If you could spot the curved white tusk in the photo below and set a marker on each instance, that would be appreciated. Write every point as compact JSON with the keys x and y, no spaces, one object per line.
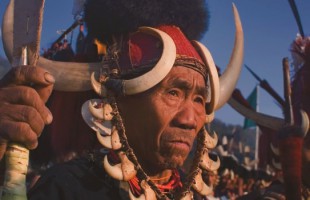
{"x":210,"y":142}
{"x":7,"y":31}
{"x":159,"y":71}
{"x":208,"y":164}
{"x":188,"y":196}
{"x":128,"y":168}
{"x":103,"y":127}
{"x":304,"y":123}
{"x":213,"y":76}
{"x":105,"y":141}
{"x":132,"y":197}
{"x":275,"y":150}
{"x":102,"y":113}
{"x":148,"y":192}
{"x":70,"y":76}
{"x":230,"y":76}
{"x":200,"y":186}
{"x":114,"y":171}
{"x":209,"y":118}
{"x":96,"y":112}
{"x":116,"y":143}
{"x":107,"y":112}
{"x":273,"y":123}
{"x":98,"y":87}
{"x":276,"y":165}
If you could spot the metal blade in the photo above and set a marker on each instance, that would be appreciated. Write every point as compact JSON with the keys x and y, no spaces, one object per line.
{"x":27,"y":26}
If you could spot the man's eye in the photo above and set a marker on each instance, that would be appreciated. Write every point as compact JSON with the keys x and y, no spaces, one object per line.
{"x":200,"y":100}
{"x":173,"y":92}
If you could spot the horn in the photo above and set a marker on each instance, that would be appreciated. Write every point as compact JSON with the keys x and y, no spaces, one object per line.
{"x":188,"y":196}
{"x":273,"y":123}
{"x":70,"y":76}
{"x":114,"y":171}
{"x":115,"y":141}
{"x":275,"y":150}
{"x":107,"y":112}
{"x":98,"y":87}
{"x":105,"y":141}
{"x":209,"y":118}
{"x":104,"y":128}
{"x":208,"y":164}
{"x":213,"y":77}
{"x":132,"y":197}
{"x":304,"y":123}
{"x":148,"y":193}
{"x":96,"y":112}
{"x":210,"y":142}
{"x":159,"y":71}
{"x":110,"y":142}
{"x":128,"y":168}
{"x":200,"y":186}
{"x":229,"y":78}
{"x":155,"y":75}
{"x":7,"y":31}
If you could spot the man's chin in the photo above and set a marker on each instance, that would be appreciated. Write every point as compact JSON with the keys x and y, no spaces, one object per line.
{"x":172,"y":162}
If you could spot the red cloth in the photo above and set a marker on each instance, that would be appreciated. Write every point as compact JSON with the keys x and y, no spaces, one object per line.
{"x":291,"y":149}
{"x":68,"y":132}
{"x":174,"y":182}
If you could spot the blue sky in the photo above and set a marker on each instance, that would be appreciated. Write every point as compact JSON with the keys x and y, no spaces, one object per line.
{"x":269,"y":29}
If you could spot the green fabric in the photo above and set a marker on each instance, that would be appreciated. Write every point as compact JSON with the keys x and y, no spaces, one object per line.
{"x":252,"y":99}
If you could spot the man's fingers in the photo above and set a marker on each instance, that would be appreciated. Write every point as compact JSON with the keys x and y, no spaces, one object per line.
{"x":27,"y":75}
{"x":19,"y":132}
{"x":27,"y":114}
{"x":21,"y":95}
{"x":44,"y":91}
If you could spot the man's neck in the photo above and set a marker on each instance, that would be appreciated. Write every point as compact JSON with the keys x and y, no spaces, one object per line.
{"x":162,"y":177}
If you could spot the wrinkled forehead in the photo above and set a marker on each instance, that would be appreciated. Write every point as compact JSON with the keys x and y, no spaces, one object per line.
{"x":182,"y":78}
{"x":185,"y":76}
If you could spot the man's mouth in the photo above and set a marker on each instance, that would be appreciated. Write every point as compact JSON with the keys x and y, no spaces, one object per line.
{"x":177,"y":142}
{"x":180,"y":145}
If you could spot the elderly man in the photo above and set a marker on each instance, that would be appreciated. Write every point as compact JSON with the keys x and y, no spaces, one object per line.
{"x":158,"y":89}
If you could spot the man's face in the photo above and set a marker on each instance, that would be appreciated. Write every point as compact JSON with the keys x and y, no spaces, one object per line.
{"x":162,"y":123}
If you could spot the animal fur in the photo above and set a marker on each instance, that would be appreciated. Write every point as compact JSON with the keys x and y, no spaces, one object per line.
{"x":105,"y":18}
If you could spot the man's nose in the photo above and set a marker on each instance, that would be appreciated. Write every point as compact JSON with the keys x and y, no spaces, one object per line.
{"x":186,"y":116}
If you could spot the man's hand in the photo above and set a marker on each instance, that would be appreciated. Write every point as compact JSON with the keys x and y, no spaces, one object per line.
{"x":24,"y":91}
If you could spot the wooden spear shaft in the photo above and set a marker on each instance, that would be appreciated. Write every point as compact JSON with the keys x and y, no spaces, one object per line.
{"x":16,"y":162}
{"x":290,"y":145}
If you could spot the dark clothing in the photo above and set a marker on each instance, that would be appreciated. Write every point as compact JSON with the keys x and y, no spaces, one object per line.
{"x":79,"y":179}
{"x":273,"y":192}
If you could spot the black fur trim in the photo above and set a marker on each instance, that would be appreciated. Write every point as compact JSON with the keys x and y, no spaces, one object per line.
{"x":105,"y":18}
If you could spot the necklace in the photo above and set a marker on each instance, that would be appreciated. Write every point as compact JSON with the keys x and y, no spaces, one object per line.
{"x":129,"y":168}
{"x":173,"y":184}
